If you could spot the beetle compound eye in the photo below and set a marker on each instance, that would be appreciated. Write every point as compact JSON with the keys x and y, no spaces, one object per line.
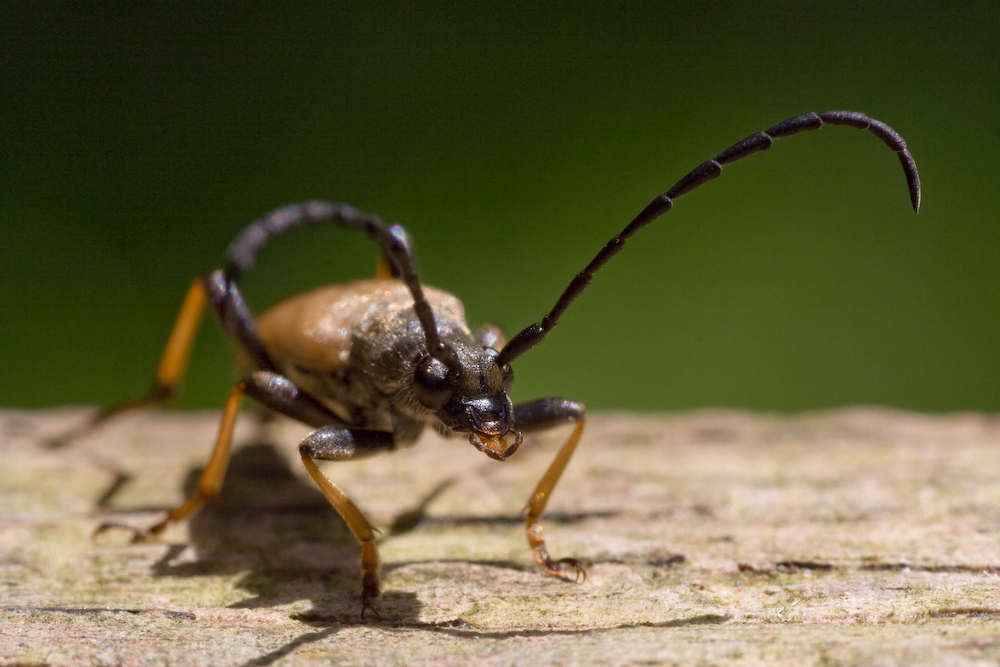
{"x":430,"y":383}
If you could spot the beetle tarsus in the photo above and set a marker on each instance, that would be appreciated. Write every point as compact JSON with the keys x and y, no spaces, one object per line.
{"x":556,"y":567}
{"x":370,"y":594}
{"x":550,"y":565}
{"x":138,"y":536}
{"x":578,"y":568}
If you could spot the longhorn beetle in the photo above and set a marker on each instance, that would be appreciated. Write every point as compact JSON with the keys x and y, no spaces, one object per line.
{"x":368,"y":364}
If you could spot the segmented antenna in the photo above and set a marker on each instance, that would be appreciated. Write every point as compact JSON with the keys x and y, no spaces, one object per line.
{"x":242,"y":253}
{"x":706,"y":171}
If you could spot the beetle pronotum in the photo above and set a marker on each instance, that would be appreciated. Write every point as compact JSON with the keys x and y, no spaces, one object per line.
{"x":368,"y":364}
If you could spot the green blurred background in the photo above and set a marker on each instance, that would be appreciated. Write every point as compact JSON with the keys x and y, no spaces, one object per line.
{"x":513,"y":142}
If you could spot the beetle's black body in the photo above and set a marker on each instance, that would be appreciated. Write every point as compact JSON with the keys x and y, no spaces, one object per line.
{"x":369,"y":364}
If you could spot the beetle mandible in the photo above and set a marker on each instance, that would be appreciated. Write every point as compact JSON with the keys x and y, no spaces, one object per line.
{"x":369,"y":364}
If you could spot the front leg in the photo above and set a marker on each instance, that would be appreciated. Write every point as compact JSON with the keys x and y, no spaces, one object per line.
{"x":538,"y":415}
{"x":334,"y":443}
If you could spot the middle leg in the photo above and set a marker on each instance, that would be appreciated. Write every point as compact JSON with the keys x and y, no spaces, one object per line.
{"x":336,"y":443}
{"x":271,"y":390}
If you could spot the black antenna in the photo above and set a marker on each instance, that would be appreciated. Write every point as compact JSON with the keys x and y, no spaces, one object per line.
{"x":242,"y":253}
{"x":706,"y":171}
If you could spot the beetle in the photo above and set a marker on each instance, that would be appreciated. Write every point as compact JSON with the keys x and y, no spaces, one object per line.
{"x":369,"y":364}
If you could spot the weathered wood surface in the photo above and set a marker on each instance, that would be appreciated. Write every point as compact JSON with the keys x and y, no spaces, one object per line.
{"x":850,"y":537}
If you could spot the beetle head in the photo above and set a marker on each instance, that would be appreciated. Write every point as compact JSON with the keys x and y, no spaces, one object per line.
{"x":467,"y":389}
{"x":465,"y":386}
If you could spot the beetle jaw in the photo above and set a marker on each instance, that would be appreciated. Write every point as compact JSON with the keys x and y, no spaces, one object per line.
{"x":488,"y":420}
{"x":495,"y":446}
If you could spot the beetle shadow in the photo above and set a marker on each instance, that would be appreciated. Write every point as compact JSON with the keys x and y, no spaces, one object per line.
{"x":279,"y":530}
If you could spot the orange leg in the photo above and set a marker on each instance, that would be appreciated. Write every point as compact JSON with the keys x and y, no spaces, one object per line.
{"x":211,"y":478}
{"x":335,"y":443}
{"x":383,"y":270}
{"x":175,"y":357}
{"x":173,"y":364}
{"x":536,"y":505}
{"x":362,"y":529}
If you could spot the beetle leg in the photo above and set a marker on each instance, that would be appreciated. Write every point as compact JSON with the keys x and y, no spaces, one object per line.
{"x":176,"y":354}
{"x":173,"y":364}
{"x":211,"y":477}
{"x":383,"y":268}
{"x":332,"y":443}
{"x":539,"y":415}
{"x":283,"y":396}
{"x":273,"y":391}
{"x":237,"y":322}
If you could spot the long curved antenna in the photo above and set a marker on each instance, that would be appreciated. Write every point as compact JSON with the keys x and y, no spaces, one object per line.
{"x":242,"y":252}
{"x":706,"y":171}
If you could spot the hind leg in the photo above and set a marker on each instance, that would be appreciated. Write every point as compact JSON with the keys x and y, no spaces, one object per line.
{"x":169,"y":373}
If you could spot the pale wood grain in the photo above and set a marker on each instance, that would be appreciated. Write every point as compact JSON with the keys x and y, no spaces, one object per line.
{"x":851,"y":537}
